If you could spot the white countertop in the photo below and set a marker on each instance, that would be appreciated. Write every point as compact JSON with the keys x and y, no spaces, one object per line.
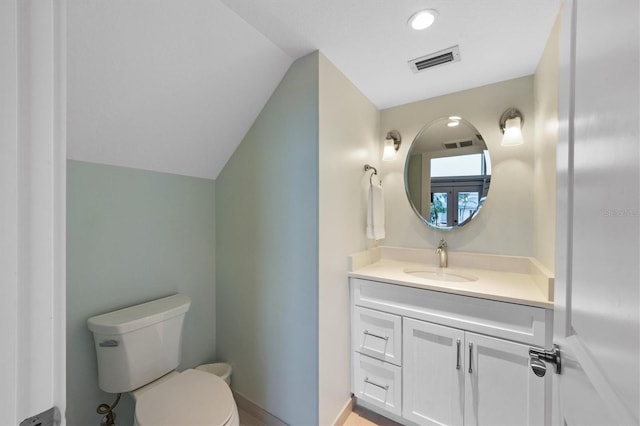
{"x":518,"y":280}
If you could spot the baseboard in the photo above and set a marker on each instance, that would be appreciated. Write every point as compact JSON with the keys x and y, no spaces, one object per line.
{"x":344,"y":414}
{"x":245,"y":404}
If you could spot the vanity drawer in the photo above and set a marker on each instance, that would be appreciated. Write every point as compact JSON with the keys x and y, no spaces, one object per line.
{"x":378,"y":383}
{"x":377,"y":334}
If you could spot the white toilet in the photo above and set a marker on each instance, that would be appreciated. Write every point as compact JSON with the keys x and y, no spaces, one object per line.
{"x":138,"y":350}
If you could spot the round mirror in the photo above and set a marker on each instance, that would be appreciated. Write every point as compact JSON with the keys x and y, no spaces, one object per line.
{"x":447,"y":173}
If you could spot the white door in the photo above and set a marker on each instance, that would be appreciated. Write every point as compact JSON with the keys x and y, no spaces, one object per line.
{"x":433,"y":373}
{"x":499,"y":385}
{"x":32,"y":208}
{"x":597,"y":277}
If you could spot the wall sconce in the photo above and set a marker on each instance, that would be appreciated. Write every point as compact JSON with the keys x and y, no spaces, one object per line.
{"x":391,"y":145}
{"x":511,"y":122}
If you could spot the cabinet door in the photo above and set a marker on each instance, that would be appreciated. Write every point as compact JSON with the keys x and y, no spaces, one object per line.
{"x":433,"y":373}
{"x":500,"y":387}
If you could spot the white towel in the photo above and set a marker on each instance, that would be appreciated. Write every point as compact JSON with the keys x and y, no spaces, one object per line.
{"x":375,"y":213}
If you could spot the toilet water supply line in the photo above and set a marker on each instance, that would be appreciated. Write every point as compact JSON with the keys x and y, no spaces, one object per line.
{"x":110,"y":417}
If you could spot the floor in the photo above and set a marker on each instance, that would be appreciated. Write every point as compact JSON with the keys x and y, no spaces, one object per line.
{"x":363,"y":417}
{"x":359,"y":417}
{"x":247,"y":419}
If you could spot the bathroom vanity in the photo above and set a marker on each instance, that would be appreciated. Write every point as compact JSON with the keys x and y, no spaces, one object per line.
{"x":450,"y":345}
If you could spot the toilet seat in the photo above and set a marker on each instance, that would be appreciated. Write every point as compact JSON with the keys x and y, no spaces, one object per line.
{"x":189,"y":398}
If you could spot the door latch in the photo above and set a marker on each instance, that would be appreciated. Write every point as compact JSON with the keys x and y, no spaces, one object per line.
{"x":51,"y":417}
{"x":539,"y":358}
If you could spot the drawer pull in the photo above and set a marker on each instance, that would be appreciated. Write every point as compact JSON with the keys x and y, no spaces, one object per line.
{"x":470,"y":357}
{"x":386,"y":338}
{"x":458,"y":354}
{"x":385,"y":387}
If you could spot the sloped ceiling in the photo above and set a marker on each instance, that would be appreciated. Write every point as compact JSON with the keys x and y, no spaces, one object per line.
{"x":173,"y":86}
{"x":164,"y":85}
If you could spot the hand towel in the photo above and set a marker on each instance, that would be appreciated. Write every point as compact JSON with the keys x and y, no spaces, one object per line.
{"x":375,"y":212}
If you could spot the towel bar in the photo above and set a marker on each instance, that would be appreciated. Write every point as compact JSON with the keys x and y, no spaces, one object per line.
{"x":368,"y":167}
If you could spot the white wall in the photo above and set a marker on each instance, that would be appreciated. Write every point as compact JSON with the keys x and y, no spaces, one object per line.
{"x":505,"y":224}
{"x":546,"y":86}
{"x":348,"y":130}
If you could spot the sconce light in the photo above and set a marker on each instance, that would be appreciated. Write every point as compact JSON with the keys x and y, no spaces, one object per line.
{"x":391,"y":145}
{"x":511,"y":122}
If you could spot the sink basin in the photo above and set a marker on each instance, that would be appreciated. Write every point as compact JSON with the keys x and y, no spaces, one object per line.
{"x":440,"y":274}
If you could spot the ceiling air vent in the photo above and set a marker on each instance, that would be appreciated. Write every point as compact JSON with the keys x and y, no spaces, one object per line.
{"x":456,"y":145}
{"x":442,"y":57}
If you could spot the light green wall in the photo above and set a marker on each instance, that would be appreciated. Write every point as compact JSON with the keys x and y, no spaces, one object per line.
{"x":134,"y":236}
{"x":267,"y":253}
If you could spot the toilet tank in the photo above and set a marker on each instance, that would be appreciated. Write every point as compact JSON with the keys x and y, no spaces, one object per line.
{"x":138,"y":344}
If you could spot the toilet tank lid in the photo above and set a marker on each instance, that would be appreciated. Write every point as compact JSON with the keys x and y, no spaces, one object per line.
{"x":138,"y":316}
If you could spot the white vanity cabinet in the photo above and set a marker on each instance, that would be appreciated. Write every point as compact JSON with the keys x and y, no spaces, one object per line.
{"x":453,"y":377}
{"x":500,"y":388}
{"x":377,"y":334}
{"x":434,"y":373}
{"x":377,"y":341}
{"x":457,"y":360}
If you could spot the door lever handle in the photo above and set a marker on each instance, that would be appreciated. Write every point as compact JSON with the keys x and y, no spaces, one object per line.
{"x":538,"y":355}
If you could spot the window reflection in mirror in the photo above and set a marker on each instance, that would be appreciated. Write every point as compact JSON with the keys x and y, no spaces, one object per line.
{"x":458,"y":186}
{"x":448,"y":174}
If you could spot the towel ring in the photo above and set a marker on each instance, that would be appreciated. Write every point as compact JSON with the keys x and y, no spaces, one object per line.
{"x":368,"y":167}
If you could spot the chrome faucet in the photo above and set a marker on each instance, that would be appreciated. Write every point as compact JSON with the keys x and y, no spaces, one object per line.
{"x":442,"y":252}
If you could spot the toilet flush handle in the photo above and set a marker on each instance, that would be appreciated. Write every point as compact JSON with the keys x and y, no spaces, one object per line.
{"x":110,"y":343}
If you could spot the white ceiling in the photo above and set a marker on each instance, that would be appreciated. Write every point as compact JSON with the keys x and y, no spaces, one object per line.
{"x":173,"y":86}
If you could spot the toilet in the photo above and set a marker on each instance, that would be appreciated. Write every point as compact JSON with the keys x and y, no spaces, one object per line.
{"x":138,"y":351}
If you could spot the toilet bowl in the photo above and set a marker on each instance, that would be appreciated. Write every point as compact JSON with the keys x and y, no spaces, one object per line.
{"x":189,"y":398}
{"x":138,"y":351}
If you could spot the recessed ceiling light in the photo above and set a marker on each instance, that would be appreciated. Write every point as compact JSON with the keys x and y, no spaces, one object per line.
{"x":422,"y":19}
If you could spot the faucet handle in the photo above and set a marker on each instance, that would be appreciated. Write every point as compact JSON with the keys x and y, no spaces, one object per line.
{"x":443,"y":243}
